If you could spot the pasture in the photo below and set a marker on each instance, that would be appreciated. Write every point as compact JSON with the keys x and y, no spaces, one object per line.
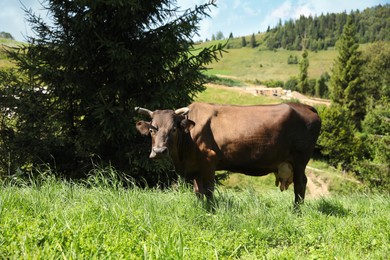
{"x":47,"y":218}
{"x":251,"y":64}
{"x":53,"y":219}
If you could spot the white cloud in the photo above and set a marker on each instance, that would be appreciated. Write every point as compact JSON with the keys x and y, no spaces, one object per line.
{"x":304,"y":10}
{"x":283,"y":11}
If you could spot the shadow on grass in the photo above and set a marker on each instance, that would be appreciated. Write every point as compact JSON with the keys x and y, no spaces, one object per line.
{"x":332,"y":208}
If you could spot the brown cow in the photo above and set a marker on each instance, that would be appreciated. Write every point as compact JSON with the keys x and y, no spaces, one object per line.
{"x":254,"y":140}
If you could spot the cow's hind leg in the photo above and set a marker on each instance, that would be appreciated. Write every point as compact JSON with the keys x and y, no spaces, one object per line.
{"x":300,"y":181}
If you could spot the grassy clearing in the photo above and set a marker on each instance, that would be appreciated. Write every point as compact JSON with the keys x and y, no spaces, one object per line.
{"x":253,"y":64}
{"x":222,"y":95}
{"x":57,"y":219}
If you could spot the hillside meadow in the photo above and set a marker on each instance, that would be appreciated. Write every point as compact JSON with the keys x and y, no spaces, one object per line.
{"x":254,"y":64}
{"x":260,"y":64}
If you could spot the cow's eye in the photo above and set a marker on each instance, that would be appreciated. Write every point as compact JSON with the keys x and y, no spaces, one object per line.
{"x":152,"y":130}
{"x":174,"y":130}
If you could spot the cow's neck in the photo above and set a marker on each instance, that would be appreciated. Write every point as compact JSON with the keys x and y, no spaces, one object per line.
{"x":183,"y":154}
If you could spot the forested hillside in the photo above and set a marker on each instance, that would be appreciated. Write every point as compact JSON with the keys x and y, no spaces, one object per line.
{"x":319,"y":33}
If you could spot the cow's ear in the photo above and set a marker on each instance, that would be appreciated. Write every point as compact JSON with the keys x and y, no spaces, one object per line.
{"x":187,"y":125}
{"x":143,"y":127}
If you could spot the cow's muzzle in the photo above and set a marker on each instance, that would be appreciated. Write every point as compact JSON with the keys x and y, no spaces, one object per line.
{"x":158,"y":152}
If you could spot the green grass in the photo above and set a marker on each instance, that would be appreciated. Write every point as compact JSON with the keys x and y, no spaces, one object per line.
{"x":48,"y":218}
{"x":4,"y":45}
{"x":222,"y":95}
{"x":54,"y":219}
{"x":253,"y":64}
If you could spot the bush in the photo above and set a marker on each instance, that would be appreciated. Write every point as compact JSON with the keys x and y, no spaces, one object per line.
{"x":273,"y":83}
{"x":223,"y":81}
{"x":292,"y":60}
{"x":291,"y":84}
{"x":377,"y":120}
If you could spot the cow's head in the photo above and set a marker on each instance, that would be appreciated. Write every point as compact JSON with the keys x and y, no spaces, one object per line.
{"x":166,"y":128}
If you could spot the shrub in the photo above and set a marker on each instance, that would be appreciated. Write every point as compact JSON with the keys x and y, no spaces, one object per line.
{"x":291,"y":84}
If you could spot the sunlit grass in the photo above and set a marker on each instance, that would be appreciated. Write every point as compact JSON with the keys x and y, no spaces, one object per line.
{"x":57,"y":219}
{"x":222,"y":95}
{"x":255,"y":64}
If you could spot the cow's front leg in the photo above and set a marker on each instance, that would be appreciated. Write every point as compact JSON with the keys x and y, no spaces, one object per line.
{"x":204,"y":187}
{"x":198,"y":188}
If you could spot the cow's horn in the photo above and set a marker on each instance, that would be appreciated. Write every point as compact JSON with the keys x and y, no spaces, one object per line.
{"x":143,"y":111}
{"x":182,"y":111}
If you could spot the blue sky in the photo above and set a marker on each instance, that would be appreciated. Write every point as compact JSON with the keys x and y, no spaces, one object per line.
{"x":240,"y":17}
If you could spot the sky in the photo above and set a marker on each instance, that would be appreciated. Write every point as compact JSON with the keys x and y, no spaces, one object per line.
{"x":240,"y":17}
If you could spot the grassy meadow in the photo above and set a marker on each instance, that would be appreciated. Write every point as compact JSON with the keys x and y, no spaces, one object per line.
{"x":251,"y":64}
{"x":223,"y":95}
{"x":254,"y":64}
{"x":52,"y":219}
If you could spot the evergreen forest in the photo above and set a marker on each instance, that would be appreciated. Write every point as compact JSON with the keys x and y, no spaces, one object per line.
{"x":322,"y":32}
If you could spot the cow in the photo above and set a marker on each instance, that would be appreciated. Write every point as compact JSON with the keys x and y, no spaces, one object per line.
{"x":254,"y":140}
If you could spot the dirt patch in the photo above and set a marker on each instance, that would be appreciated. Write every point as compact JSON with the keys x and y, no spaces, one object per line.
{"x":309,"y":100}
{"x":316,"y":186}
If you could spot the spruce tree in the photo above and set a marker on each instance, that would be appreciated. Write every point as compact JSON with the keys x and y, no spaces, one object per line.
{"x":253,"y":41}
{"x":303,"y":79}
{"x":82,"y":75}
{"x":243,"y":41}
{"x":346,"y":84}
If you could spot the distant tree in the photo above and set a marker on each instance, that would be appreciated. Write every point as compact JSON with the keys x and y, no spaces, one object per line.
{"x":337,"y":140}
{"x":311,"y":87}
{"x":253,"y":41}
{"x":243,"y":41}
{"x":6,"y":35}
{"x":219,"y":36}
{"x":213,"y":37}
{"x":271,"y":42}
{"x":303,"y":78}
{"x":321,"y":88}
{"x":323,"y":31}
{"x":231,"y":36}
{"x":297,"y":43}
{"x":346,"y":84}
{"x":376,"y":72}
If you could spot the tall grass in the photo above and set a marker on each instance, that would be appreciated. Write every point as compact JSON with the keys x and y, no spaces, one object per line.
{"x":53,"y":219}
